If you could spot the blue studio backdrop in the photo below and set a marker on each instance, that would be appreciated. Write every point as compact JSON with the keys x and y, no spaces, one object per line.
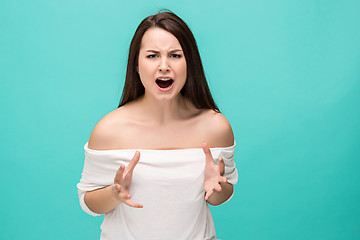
{"x":286,"y":74}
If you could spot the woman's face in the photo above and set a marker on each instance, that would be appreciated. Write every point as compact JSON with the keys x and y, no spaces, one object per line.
{"x":162,"y":64}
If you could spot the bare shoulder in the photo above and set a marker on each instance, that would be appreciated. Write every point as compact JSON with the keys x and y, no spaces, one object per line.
{"x":105,"y":132}
{"x":218,"y":129}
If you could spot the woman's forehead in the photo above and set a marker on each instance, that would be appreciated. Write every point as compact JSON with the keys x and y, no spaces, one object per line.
{"x":159,"y":39}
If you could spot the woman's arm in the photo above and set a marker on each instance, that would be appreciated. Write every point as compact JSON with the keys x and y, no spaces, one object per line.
{"x":218,"y":190}
{"x":101,"y":200}
{"x":218,"y":198}
{"x":104,"y":200}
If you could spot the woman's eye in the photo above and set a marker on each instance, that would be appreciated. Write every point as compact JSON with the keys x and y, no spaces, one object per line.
{"x":152,"y":56}
{"x":175,"y":56}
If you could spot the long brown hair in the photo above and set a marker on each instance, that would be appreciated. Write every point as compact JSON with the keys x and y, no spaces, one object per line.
{"x":196,"y":88}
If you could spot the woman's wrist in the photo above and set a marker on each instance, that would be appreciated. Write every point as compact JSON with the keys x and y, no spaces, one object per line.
{"x":114,"y":193}
{"x":219,"y":197}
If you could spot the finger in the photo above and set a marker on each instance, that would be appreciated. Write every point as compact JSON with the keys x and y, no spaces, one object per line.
{"x":208,"y":194}
{"x":133,"y":204}
{"x":119,"y":174}
{"x":124,"y":196}
{"x":132,"y":164}
{"x":118,"y":187}
{"x":207,"y":152}
{"x":218,"y":188}
{"x":221,"y":166}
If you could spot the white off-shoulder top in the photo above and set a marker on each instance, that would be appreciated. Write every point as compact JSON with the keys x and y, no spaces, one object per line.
{"x":168,"y":183}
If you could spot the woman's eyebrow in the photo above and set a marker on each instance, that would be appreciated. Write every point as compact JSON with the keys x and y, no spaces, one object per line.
{"x":172,"y":51}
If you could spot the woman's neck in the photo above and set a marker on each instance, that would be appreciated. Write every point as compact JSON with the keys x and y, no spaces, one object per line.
{"x":165,"y":111}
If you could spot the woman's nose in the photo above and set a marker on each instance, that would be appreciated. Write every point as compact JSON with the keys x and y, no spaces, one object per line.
{"x":164,"y":66}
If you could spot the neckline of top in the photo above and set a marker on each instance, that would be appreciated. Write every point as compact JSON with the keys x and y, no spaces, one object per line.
{"x":150,"y":150}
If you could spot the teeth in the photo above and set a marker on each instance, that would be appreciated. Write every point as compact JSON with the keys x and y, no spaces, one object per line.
{"x":164,"y":79}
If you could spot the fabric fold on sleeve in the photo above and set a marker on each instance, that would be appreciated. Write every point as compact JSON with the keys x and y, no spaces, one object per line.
{"x":230,"y":171}
{"x":98,"y":172}
{"x":227,"y":154}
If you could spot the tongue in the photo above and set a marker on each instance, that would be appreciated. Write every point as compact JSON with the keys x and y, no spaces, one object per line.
{"x":163,"y":84}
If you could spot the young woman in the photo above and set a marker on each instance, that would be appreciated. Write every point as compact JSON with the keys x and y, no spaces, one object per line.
{"x":153,"y":164}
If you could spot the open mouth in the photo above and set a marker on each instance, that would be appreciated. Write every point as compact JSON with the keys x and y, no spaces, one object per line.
{"x":164,"y":82}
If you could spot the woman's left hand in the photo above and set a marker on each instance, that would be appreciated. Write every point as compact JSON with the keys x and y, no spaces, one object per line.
{"x":213,"y":173}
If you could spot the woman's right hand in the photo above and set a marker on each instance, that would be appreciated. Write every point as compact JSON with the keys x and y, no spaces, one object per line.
{"x":122,"y":182}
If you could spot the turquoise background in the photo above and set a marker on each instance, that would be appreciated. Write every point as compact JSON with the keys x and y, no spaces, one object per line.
{"x":285,"y":73}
